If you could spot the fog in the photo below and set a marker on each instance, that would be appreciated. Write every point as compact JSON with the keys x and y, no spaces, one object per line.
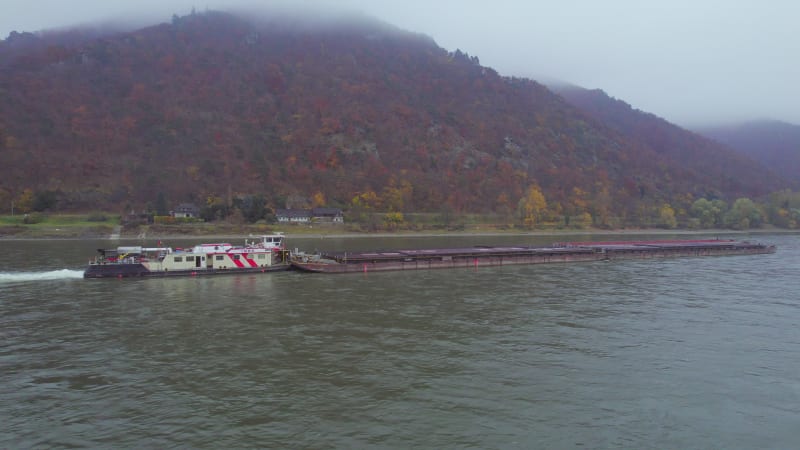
{"x":694,"y":63}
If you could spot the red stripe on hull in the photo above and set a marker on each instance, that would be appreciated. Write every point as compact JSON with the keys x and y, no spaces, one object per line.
{"x":236,"y":261}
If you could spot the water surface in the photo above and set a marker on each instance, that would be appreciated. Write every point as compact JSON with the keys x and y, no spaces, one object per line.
{"x":682,"y":353}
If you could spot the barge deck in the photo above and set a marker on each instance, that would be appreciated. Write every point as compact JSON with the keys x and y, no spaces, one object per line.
{"x":482,"y":256}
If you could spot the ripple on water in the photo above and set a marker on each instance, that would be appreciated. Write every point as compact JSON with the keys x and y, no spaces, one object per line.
{"x":638,"y":354}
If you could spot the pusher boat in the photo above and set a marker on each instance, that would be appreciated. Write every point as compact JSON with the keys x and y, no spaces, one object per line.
{"x":267,"y":253}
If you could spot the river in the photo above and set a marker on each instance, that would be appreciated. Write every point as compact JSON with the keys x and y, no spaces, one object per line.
{"x":678,"y":353}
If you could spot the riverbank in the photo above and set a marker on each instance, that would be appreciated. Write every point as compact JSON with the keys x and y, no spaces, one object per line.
{"x":107,"y":226}
{"x":113,"y":233}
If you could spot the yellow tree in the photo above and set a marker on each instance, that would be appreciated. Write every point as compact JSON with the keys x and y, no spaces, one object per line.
{"x":318,"y":199}
{"x":24,"y":203}
{"x":532,"y":206}
{"x":393,"y":220}
{"x":397,"y":195}
{"x":666,"y":216}
{"x":363,"y":205}
{"x":366,"y":201}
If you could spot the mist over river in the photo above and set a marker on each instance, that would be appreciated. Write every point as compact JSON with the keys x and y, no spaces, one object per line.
{"x":673,"y":353}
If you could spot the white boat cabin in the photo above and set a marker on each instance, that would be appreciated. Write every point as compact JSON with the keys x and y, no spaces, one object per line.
{"x":264,"y":252}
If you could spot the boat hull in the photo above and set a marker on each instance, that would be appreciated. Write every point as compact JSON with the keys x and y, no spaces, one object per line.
{"x":139,"y":270}
{"x":505,"y":256}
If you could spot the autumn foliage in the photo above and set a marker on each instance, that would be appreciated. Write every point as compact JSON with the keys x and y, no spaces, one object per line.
{"x":361,"y":116}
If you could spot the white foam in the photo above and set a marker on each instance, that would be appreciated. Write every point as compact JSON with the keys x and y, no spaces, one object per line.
{"x":62,"y":274}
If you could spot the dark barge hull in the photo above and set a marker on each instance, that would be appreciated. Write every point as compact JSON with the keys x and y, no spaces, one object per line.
{"x":501,"y":256}
{"x":112,"y":270}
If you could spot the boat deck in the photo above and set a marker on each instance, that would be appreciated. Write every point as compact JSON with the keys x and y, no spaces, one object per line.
{"x":567,"y":248}
{"x":439,"y":258}
{"x":483,"y":251}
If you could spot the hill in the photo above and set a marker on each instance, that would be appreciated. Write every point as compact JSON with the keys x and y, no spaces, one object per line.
{"x":774,"y":144}
{"x":700,"y":154}
{"x":212,"y":106}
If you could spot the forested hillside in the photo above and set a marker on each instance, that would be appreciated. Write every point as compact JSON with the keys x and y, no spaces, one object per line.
{"x":355,"y":114}
{"x":700,"y":153}
{"x":774,"y":144}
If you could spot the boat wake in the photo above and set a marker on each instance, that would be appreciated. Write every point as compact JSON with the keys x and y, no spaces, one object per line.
{"x":63,"y":274}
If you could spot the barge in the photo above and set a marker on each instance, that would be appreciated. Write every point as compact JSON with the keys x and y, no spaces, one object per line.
{"x":490,"y":256}
{"x":266,"y":254}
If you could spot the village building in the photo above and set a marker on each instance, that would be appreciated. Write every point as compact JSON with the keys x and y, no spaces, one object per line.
{"x":186,"y":210}
{"x":293,"y":215}
{"x":332,"y":215}
{"x":313,"y":215}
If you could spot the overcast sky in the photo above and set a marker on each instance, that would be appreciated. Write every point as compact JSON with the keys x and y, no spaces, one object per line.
{"x":689,"y":61}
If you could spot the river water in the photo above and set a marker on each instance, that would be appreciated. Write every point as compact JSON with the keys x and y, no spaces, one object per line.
{"x":681,"y":353}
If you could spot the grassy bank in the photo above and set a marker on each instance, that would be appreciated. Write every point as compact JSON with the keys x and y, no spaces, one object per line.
{"x":38,"y":225}
{"x":101,"y":226}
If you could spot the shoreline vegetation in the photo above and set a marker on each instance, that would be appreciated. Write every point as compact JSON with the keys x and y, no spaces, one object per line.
{"x":77,"y":226}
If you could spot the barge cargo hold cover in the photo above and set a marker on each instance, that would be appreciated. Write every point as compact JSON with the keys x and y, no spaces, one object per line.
{"x":422,"y":259}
